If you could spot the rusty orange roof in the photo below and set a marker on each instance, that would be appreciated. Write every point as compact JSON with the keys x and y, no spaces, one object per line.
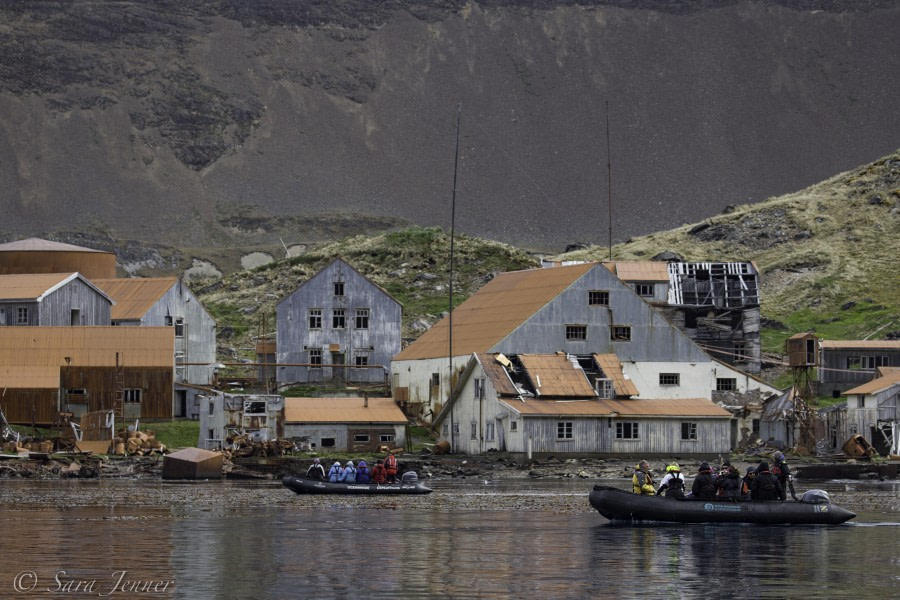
{"x":665,"y":408}
{"x":32,"y":286}
{"x":29,"y":377}
{"x":861,"y":344}
{"x":87,"y":346}
{"x":494,"y":311}
{"x":639,"y":270}
{"x":134,"y":297}
{"x":39,"y":245}
{"x":495,"y":371}
{"x":612,"y":368}
{"x":890,"y":378}
{"x":342,"y":410}
{"x":555,"y":375}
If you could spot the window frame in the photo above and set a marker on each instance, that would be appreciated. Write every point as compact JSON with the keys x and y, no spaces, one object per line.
{"x":675,"y":379}
{"x":314,"y":318}
{"x":360,"y":438}
{"x":690,"y":428}
{"x":339,"y":318}
{"x":565,"y":430}
{"x":22,"y":315}
{"x":361,"y":318}
{"x":361,"y":359}
{"x":576,"y":332}
{"x":598,"y":297}
{"x":314,"y":357}
{"x":132,"y":395}
{"x":726,"y":384}
{"x":339,"y":289}
{"x":616,"y":330}
{"x":644,"y":289}
{"x":628,"y":430}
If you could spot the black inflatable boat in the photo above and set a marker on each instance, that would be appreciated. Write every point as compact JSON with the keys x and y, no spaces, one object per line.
{"x":409,"y":484}
{"x":814,"y":507}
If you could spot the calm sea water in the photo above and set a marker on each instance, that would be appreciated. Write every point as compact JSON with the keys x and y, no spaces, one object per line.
{"x":294,"y":550}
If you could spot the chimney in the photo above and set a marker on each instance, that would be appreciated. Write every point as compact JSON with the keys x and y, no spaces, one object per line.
{"x":366,"y":400}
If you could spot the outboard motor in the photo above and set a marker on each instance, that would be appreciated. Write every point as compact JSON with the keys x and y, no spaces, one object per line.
{"x":815,"y":497}
{"x":410,"y":478}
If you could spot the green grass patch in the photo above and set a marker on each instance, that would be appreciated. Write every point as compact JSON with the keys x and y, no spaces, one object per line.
{"x":228,"y":316}
{"x":855,"y":322}
{"x":182,"y":433}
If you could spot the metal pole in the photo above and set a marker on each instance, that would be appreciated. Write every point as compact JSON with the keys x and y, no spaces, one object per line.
{"x":609,"y":182}
{"x":452,"y":247}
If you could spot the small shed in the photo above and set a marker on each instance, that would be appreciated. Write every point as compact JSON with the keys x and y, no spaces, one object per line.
{"x":193,"y":463}
{"x":345,"y":424}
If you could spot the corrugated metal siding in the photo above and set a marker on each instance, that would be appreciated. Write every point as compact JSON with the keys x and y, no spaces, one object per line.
{"x":834,"y":373}
{"x":56,"y":308}
{"x":379,"y":343}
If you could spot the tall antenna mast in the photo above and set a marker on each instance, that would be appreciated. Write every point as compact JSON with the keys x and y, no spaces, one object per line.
{"x":452,"y":247}
{"x":609,"y":181}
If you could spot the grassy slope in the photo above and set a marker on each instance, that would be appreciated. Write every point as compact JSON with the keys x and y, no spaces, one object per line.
{"x":819,"y":251}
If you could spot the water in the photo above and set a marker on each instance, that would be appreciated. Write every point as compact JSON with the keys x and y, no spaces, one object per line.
{"x":526,"y":540}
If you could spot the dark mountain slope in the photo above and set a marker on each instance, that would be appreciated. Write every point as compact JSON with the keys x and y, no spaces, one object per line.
{"x":154,"y":119}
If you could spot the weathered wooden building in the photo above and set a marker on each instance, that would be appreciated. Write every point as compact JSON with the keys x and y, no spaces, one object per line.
{"x":345,"y":424}
{"x":873,"y":410}
{"x":582,"y":310}
{"x":223,"y":415}
{"x":48,"y":370}
{"x":35,"y":255}
{"x":169,"y":302}
{"x":715,"y":303}
{"x":52,"y":299}
{"x":845,"y":364}
{"x":338,"y":325}
{"x":548,"y":404}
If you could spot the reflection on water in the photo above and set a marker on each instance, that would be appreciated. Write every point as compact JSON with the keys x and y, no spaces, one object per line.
{"x":351,"y":552}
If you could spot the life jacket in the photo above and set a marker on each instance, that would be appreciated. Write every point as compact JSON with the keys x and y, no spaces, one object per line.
{"x":639,"y":480}
{"x":390,"y":463}
{"x":676,"y":482}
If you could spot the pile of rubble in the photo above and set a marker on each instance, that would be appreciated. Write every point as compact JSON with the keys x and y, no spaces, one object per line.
{"x":243,"y":445}
{"x":131,"y":442}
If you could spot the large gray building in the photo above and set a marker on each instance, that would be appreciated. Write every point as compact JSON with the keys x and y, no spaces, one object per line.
{"x":337,"y":326}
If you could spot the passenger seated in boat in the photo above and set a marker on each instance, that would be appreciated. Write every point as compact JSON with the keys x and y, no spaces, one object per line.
{"x":642,"y":481}
{"x":672,"y":485}
{"x":704,"y":487}
{"x":334,"y":473}
{"x":362,"y":472}
{"x":728,"y":484}
{"x":316,"y":470}
{"x":379,"y":475}
{"x":348,"y":475}
{"x":745,"y":484}
{"x":766,"y":486}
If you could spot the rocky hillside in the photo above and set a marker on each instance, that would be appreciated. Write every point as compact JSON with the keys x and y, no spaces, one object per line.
{"x":210,"y":128}
{"x":828,"y":257}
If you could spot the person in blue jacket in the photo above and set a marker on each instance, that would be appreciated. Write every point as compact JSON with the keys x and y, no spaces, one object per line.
{"x":362,"y":473}
{"x":334,"y":473}
{"x":348,"y":475}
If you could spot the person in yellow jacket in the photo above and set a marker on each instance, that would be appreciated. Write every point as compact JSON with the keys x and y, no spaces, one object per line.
{"x":642,"y":481}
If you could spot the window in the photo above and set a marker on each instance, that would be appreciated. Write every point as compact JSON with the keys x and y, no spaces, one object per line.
{"x":22,"y":316}
{"x":435,"y":379}
{"x":254,"y":407}
{"x":362,"y":360}
{"x":740,"y":351}
{"x":131,"y":395}
{"x":2,"y":316}
{"x":75,"y":319}
{"x":445,"y":430}
{"x":620,"y":333}
{"x":361,"y":437}
{"x":212,"y":409}
{"x":315,"y":357}
{"x":76,"y":392}
{"x":576,"y":332}
{"x":456,"y":428}
{"x":179,"y":328}
{"x":474,"y":430}
{"x":315,"y":318}
{"x":598,"y":298}
{"x":362,"y":318}
{"x":627,"y":431}
{"x":726,"y":384}
{"x":389,"y":437}
{"x":327,"y":442}
{"x":489,"y":432}
{"x":479,"y":388}
{"x":688,"y":431}
{"x":669,"y":379}
{"x":644,"y":289}
{"x":513,"y":425}
{"x":856,"y":363}
{"x":564,"y":430}
{"x":338,"y":318}
{"x":756,"y":426}
{"x":605,"y":388}
{"x":338,"y":288}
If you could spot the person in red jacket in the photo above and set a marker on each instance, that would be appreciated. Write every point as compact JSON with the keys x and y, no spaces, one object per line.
{"x":378,"y":473}
{"x":390,"y":467}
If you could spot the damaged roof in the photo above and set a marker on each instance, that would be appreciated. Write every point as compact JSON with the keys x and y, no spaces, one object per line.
{"x":134,"y":297}
{"x":674,"y":408}
{"x":639,"y":270}
{"x":555,"y":375}
{"x":497,"y":374}
{"x":342,"y":410}
{"x":612,"y":368}
{"x":494,"y":311}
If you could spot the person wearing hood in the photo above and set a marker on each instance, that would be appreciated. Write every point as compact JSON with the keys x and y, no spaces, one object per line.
{"x":362,"y":472}
{"x":747,"y":481}
{"x":704,"y":486}
{"x":348,"y":475}
{"x":379,"y":475}
{"x":781,"y":470}
{"x":672,"y":485}
{"x":642,"y":481}
{"x":728,"y":484}
{"x":766,"y":486}
{"x":316,"y":470}
{"x":334,"y":473}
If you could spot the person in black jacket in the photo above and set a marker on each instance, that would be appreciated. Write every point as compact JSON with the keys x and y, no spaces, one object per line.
{"x":704,"y":487}
{"x":766,"y":486}
{"x":728,"y":484}
{"x":781,"y":470}
{"x":316,"y":470}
